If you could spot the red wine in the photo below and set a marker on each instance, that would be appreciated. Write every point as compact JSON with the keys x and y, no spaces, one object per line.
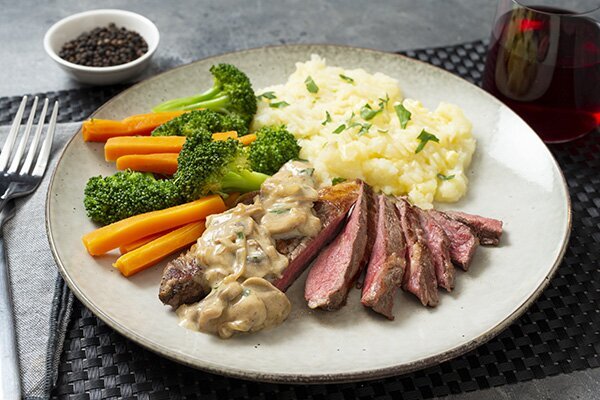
{"x":546,"y":67}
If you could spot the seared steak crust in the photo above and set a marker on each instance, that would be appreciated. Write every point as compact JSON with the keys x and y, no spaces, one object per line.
{"x":182,"y":281}
{"x":439,"y":247}
{"x":338,"y":265}
{"x":462,"y":241}
{"x":487,"y":230}
{"x":387,"y":261}
{"x":419,"y":277}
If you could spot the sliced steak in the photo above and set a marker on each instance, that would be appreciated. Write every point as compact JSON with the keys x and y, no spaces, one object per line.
{"x":439,"y":247}
{"x":419,"y":277}
{"x":332,"y":209}
{"x":487,"y":230}
{"x":462,"y":241}
{"x":182,"y":281}
{"x":338,"y":265}
{"x":387,"y":261}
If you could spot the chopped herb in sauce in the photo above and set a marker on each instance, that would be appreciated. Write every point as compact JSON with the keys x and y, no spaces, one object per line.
{"x":347,"y":78}
{"x":307,"y":171}
{"x":266,"y":95}
{"x":327,"y":118}
{"x":443,"y":177}
{"x":280,"y":104}
{"x":425,"y":137}
{"x":311,"y":86}
{"x":339,"y":129}
{"x":279,"y":211}
{"x":240,"y":235}
{"x":403,"y":115}
{"x":384,"y":102}
{"x":337,"y":180}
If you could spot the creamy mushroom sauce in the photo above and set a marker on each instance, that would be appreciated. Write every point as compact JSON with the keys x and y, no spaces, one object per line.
{"x":238,"y":252}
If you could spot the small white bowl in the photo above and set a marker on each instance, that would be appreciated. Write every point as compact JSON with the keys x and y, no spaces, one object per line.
{"x":70,"y":27}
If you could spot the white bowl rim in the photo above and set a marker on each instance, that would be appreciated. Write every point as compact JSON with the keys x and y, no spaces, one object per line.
{"x":57,"y":25}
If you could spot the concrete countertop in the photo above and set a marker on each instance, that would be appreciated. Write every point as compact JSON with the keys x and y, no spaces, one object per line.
{"x":191,"y":30}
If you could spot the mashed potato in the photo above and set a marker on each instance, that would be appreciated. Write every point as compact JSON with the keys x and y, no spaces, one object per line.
{"x":341,"y":142}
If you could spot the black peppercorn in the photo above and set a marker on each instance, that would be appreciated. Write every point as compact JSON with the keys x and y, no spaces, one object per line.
{"x":104,"y":47}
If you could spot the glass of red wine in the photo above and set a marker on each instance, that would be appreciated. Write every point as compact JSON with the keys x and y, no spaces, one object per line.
{"x":544,"y":63}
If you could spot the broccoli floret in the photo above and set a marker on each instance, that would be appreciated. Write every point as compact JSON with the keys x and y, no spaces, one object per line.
{"x":274,"y":146}
{"x":214,"y":166}
{"x":127,"y":193}
{"x":231,"y":93}
{"x":187,"y":124}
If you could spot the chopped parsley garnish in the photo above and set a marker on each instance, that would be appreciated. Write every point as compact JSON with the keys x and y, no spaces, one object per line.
{"x":403,"y":115}
{"x":425,"y":137}
{"x":279,"y":210}
{"x":266,"y":95}
{"x":347,"y":78}
{"x":364,"y":128}
{"x":311,"y":86}
{"x":339,"y":129}
{"x":327,"y":118}
{"x":337,"y":180}
{"x":240,"y":235}
{"x":443,"y":177}
{"x":280,"y":104}
{"x":368,"y":113}
{"x":383,"y":102}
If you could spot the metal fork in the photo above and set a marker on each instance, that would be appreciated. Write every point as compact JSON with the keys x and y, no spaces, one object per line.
{"x":18,"y":178}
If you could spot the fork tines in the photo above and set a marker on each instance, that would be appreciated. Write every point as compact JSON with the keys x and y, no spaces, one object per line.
{"x":13,"y":156}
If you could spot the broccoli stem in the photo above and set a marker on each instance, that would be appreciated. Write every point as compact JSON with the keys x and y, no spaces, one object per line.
{"x":242,"y":181}
{"x":212,"y":104}
{"x":187,"y":103}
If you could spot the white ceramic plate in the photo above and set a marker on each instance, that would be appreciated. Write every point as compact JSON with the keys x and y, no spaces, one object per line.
{"x":513,"y":177}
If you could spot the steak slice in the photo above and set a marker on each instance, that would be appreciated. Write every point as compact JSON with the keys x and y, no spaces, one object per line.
{"x":487,"y":230}
{"x":462,"y":241}
{"x":182,"y":281}
{"x":338,"y":265}
{"x":387,"y":262}
{"x":331,"y":208}
{"x":419,"y":277}
{"x":439,"y":247}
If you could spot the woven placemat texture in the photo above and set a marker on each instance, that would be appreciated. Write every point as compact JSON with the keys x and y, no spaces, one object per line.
{"x":560,"y":333}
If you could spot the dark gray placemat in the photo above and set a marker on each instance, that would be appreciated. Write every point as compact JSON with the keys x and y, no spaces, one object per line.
{"x":560,"y":333}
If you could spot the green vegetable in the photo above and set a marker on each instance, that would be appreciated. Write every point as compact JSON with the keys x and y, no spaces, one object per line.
{"x":339,"y":129}
{"x":425,"y":137}
{"x":273,"y":147}
{"x":347,"y":78}
{"x":311,"y":86}
{"x":444,"y":177}
{"x":327,"y":118}
{"x":214,"y":166}
{"x":368,"y":113}
{"x":337,"y":180}
{"x":403,"y":115}
{"x":187,"y":124}
{"x":231,"y":92}
{"x":280,"y":104}
{"x":266,"y":95}
{"x":280,"y":211}
{"x":364,"y":128}
{"x":127,"y":193}
{"x":240,"y":235}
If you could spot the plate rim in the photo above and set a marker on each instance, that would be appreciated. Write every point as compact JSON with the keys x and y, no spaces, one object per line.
{"x":309,"y":378}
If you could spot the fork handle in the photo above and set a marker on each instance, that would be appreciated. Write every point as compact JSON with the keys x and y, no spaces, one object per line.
{"x":10,"y":381}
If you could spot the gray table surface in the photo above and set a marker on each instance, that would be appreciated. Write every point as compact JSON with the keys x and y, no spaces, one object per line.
{"x":191,"y":30}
